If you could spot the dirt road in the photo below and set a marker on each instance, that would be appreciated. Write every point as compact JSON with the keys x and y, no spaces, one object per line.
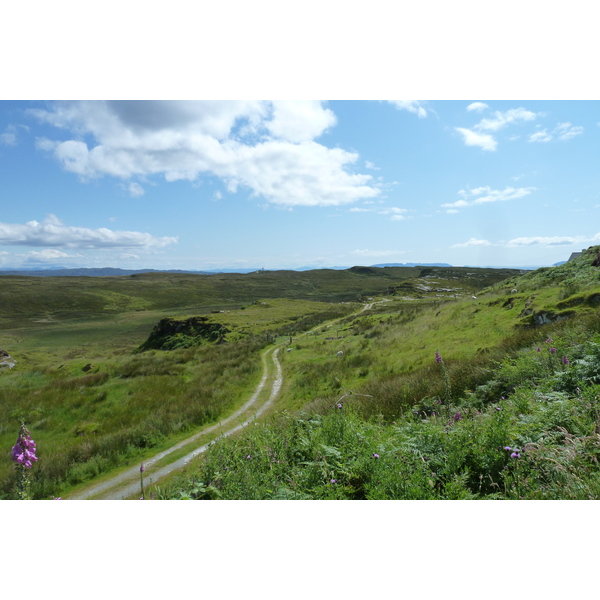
{"x":127,"y":483}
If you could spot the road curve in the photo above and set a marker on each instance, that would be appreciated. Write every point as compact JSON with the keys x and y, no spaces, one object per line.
{"x":127,"y":483}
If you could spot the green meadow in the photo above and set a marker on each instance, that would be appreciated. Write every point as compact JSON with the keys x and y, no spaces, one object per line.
{"x":365,"y":410}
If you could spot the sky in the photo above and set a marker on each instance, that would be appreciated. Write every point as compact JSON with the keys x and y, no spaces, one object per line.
{"x":169,"y":184}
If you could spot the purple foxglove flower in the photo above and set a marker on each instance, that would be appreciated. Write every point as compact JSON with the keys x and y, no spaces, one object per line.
{"x":438,"y":357}
{"x":23,"y":452}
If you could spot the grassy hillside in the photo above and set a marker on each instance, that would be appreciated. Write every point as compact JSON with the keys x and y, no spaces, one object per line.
{"x":69,"y":297}
{"x":510,"y":410}
{"x":93,"y":405}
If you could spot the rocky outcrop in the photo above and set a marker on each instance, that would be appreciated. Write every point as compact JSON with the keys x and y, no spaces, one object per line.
{"x":170,"y":333}
{"x":6,"y":360}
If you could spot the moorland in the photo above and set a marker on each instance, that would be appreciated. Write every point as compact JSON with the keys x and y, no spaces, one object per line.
{"x":398,"y":382}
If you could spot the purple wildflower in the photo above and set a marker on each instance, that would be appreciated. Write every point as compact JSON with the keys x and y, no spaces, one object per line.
{"x":457,"y":417}
{"x":552,"y":350}
{"x":565,"y":360}
{"x":375,"y":455}
{"x":538,"y":349}
{"x":339,"y":405}
{"x":549,"y":341}
{"x":438,"y":357}
{"x":334,"y":481}
{"x":142,"y":469}
{"x":23,"y":452}
{"x":57,"y":498}
{"x":508,"y":448}
{"x":515,"y":455}
{"x":249,"y":456}
{"x":497,"y":408}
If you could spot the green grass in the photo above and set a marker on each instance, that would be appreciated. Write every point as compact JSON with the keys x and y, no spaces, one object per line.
{"x":90,"y":423}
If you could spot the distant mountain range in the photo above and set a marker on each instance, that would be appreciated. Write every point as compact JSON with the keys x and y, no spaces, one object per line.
{"x":114,"y":272}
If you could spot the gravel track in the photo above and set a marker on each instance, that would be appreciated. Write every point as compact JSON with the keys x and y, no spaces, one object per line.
{"x":127,"y":483}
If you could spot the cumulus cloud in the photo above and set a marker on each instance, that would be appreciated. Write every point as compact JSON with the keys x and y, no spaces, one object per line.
{"x":267,"y":147}
{"x":562,"y":132}
{"x":502,"y":119}
{"x":473,"y":242}
{"x":135,"y":190}
{"x":544,"y":241}
{"x":485,"y":195}
{"x":9,"y":137}
{"x":532,"y":241}
{"x":472,"y":138}
{"x":566,"y":131}
{"x":481,"y":134}
{"x":477,"y":106}
{"x":540,"y":136}
{"x":49,"y":254}
{"x":396,"y":214}
{"x":54,"y":233}
{"x":413,"y":106}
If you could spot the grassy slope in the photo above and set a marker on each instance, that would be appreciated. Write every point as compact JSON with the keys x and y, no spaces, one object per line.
{"x":91,"y":422}
{"x":511,"y":384}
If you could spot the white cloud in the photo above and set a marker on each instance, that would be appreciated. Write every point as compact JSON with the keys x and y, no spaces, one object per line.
{"x":296,"y":121}
{"x":452,"y":211}
{"x":540,"y":136}
{"x":397,"y":214}
{"x":472,"y":138}
{"x":501,"y":119}
{"x":485,"y":195}
{"x":473,"y":242}
{"x":562,"y":132}
{"x":477,"y":106}
{"x":267,"y":147}
{"x":482,"y":138}
{"x":8,"y":138}
{"x":566,"y":131}
{"x":532,"y":241}
{"x":544,"y":241}
{"x":52,"y":232}
{"x":49,"y":254}
{"x":413,"y":106}
{"x":370,"y":165}
{"x":135,"y":190}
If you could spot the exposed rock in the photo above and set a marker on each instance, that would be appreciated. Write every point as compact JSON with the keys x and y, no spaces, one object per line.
{"x":171,"y":333}
{"x":6,"y":360}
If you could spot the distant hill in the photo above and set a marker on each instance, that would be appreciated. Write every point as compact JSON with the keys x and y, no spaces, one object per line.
{"x":84,"y":272}
{"x":412,"y":265}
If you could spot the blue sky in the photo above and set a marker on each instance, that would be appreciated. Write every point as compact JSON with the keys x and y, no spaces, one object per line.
{"x":285,"y":184}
